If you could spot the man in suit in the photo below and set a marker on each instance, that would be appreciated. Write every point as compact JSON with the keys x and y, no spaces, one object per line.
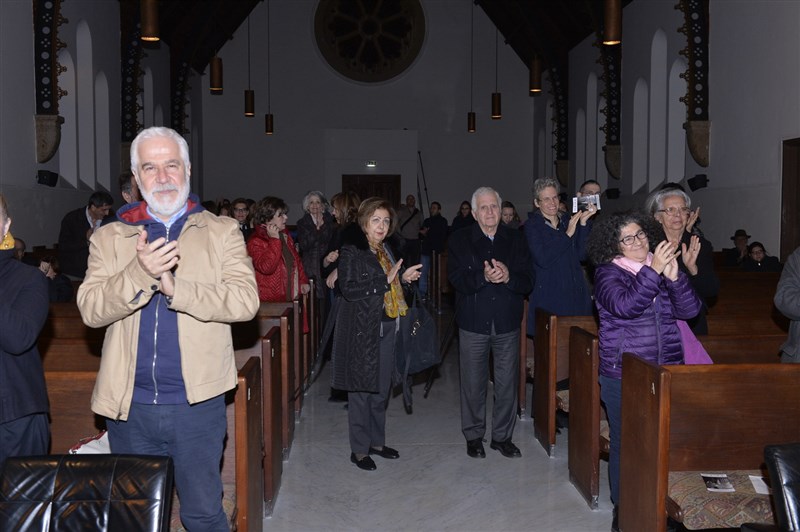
{"x":77,"y":227}
{"x":489,"y":265}
{"x":242,"y":215}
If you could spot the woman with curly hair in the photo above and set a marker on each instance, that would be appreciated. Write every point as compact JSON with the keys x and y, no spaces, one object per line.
{"x":279,"y":271}
{"x":641,"y":295}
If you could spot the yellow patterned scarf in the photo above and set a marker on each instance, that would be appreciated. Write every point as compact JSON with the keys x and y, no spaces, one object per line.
{"x":393,"y":301}
{"x":8,"y":241}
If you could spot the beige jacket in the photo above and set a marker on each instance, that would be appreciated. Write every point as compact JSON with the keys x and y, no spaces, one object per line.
{"x":214,"y":286}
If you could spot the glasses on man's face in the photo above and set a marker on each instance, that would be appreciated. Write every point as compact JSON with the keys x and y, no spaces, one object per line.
{"x":241,"y":211}
{"x":629,"y":240}
{"x":676,"y":211}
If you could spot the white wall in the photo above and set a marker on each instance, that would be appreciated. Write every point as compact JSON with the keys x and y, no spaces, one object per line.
{"x":754,"y":95}
{"x":37,"y":209}
{"x":308,"y":97}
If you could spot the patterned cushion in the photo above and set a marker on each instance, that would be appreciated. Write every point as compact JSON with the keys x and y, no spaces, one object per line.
{"x":228,"y":505}
{"x":701,"y":508}
{"x":562,"y":400}
{"x":605,"y":436}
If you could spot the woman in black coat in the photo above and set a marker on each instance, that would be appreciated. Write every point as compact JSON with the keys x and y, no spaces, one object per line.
{"x":372,"y":302}
{"x":23,"y":311}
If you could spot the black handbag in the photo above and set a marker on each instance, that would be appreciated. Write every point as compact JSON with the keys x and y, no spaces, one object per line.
{"x":417,"y":348}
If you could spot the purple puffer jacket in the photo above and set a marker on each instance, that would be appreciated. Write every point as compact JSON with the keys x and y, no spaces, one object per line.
{"x":638,"y":313}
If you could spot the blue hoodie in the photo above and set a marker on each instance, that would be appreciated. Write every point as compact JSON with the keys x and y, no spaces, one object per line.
{"x":159,"y":379}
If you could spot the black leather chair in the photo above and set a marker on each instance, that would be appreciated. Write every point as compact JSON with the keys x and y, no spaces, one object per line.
{"x":98,"y":492}
{"x":783,"y":465}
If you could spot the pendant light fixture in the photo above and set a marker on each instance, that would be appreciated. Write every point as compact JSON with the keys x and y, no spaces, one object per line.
{"x":612,"y":22}
{"x":471,"y":113}
{"x":535,"y":81}
{"x":149,"y":20}
{"x":268,"y":118}
{"x":216,"y":75}
{"x":497,"y":113}
{"x":249,"y":94}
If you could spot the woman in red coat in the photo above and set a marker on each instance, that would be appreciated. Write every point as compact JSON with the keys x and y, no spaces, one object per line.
{"x":279,"y":269}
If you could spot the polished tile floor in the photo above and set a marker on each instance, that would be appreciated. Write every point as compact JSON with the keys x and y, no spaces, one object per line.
{"x":434,"y":485}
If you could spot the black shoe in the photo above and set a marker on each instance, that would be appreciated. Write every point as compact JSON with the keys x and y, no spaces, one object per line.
{"x":615,"y":519}
{"x":386,"y":452}
{"x":506,"y":448}
{"x":365,"y":463}
{"x":475,"y":448}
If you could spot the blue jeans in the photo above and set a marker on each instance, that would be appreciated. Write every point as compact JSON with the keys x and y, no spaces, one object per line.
{"x":26,"y":436}
{"x":611,"y":394}
{"x":193,"y":436}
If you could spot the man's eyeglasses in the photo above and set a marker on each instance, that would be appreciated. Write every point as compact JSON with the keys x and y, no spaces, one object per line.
{"x":676,"y":211}
{"x":240,"y":210}
{"x":628,"y":240}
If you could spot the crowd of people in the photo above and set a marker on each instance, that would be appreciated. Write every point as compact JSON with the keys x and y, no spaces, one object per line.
{"x":167,"y":276}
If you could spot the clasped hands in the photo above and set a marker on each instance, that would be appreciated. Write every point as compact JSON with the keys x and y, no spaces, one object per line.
{"x":157,"y":258}
{"x":495,"y":272}
{"x":665,"y":258}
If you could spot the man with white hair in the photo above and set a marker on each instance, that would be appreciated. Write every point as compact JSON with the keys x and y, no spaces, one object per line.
{"x":167,"y":277}
{"x":489,"y":265}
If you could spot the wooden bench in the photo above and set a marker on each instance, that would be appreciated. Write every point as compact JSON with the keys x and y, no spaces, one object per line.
{"x":739,"y":324}
{"x":70,"y":327}
{"x":551,"y":365}
{"x":247,"y":342}
{"x":71,"y":419}
{"x":697,"y":418}
{"x":70,"y":354}
{"x":586,"y":444}
{"x":273,"y":309}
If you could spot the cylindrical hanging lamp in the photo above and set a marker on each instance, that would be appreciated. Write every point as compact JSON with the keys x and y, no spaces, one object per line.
{"x":268,"y":124}
{"x":249,"y":103}
{"x":497,"y":112}
{"x":535,"y":81}
{"x":471,"y":114}
{"x":149,"y":20}
{"x":249,"y":94}
{"x":216,"y":75}
{"x":612,"y":22}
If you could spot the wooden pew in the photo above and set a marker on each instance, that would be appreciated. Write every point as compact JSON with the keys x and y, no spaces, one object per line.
{"x":248,"y":447}
{"x":272,"y":431}
{"x":70,"y":327}
{"x":585,"y":444}
{"x":273,"y":309}
{"x":737,"y":324}
{"x":697,"y":418}
{"x":70,"y":354}
{"x":247,"y":341}
{"x":71,"y":417}
{"x":551,"y":365}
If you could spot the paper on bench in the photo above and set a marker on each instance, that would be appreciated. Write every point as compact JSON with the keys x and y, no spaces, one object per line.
{"x":759,"y":485}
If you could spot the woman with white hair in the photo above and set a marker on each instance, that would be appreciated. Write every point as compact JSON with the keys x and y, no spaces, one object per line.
{"x":672,"y":209}
{"x":314,"y":231}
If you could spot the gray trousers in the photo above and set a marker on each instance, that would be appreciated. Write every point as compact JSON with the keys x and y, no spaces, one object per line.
{"x":366,"y":412}
{"x":474,"y":351}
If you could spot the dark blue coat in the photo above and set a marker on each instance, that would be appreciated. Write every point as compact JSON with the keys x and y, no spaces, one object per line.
{"x":23,"y":311}
{"x":638,"y":313}
{"x":561,"y":287}
{"x":479,"y":302}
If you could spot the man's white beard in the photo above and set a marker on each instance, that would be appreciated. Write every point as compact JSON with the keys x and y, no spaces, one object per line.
{"x":166,"y":208}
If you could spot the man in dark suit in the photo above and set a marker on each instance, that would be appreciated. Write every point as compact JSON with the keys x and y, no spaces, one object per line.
{"x":489,"y":265}
{"x":77,"y":228}
{"x":242,"y":215}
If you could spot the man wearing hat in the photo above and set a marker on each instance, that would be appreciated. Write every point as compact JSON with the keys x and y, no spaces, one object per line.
{"x":735,"y":255}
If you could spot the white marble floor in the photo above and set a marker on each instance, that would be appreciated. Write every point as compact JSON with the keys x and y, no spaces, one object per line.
{"x":434,"y":485}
